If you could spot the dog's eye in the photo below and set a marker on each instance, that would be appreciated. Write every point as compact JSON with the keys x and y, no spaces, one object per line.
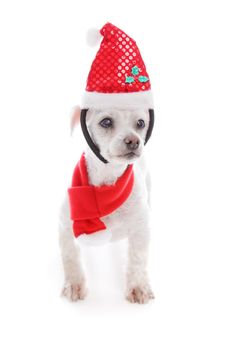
{"x":140,"y":124}
{"x":106,"y":123}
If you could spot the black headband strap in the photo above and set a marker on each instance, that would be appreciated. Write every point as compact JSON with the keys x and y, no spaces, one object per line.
{"x":87,"y":136}
{"x":92,"y":145}
{"x":151,"y":124}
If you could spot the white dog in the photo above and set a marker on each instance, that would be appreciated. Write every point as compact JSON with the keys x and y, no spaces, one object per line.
{"x":120,"y":134}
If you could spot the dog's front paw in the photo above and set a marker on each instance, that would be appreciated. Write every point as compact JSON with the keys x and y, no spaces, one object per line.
{"x":140,"y":295}
{"x":74,"y":291}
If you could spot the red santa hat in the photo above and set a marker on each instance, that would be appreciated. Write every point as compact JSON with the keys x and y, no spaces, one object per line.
{"x":118,"y":76}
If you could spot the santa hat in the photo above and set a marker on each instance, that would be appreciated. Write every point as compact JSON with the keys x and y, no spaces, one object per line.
{"x":118,"y":76}
{"x":117,"y":79}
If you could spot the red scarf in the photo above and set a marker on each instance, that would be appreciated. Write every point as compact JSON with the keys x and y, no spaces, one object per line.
{"x":89,"y":203}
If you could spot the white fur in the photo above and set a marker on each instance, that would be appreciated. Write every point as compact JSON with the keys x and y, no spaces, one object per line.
{"x":130,"y":220}
{"x":128,"y":100}
{"x":74,"y":118}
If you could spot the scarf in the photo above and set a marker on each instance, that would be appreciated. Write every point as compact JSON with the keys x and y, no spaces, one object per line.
{"x":89,"y":203}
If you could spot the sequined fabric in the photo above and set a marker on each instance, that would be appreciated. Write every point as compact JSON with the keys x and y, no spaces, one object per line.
{"x":118,"y":66}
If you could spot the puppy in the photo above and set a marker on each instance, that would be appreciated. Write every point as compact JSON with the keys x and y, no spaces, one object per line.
{"x":110,"y":192}
{"x":120,"y":135}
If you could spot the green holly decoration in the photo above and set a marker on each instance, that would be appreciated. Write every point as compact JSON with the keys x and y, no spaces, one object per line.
{"x":135,"y":70}
{"x":143,"y":79}
{"x":129,"y":80}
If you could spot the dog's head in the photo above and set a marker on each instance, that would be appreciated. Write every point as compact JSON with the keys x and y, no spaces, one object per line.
{"x":119,"y":134}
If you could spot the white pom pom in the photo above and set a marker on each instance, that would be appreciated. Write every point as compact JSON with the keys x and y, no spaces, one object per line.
{"x":93,"y":37}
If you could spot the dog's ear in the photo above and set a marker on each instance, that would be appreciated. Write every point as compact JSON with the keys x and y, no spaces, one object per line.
{"x":74,"y":118}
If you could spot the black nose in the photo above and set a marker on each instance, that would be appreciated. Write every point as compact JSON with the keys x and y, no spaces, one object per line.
{"x":132,"y":142}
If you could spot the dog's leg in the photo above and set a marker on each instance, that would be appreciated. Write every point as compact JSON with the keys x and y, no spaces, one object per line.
{"x":74,"y":286}
{"x":138,"y":287}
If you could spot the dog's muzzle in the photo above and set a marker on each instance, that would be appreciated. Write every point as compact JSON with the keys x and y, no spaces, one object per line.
{"x":94,"y":147}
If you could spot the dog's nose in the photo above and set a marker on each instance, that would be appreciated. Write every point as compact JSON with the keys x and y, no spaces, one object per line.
{"x":132,"y":142}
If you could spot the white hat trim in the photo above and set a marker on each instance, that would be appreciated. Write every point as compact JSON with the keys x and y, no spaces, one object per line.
{"x":132,"y":100}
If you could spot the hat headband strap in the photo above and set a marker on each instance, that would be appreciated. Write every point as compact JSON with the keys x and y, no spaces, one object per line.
{"x":151,"y":125}
{"x":94,"y":147}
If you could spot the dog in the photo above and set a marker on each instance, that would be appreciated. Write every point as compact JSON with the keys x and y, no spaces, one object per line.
{"x":110,"y":192}
{"x":120,"y":135}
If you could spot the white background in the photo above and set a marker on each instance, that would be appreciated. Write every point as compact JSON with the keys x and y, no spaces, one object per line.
{"x":44,"y":61}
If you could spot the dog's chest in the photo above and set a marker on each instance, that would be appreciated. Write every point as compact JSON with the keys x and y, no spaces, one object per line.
{"x":129,"y":210}
{"x":127,"y":217}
